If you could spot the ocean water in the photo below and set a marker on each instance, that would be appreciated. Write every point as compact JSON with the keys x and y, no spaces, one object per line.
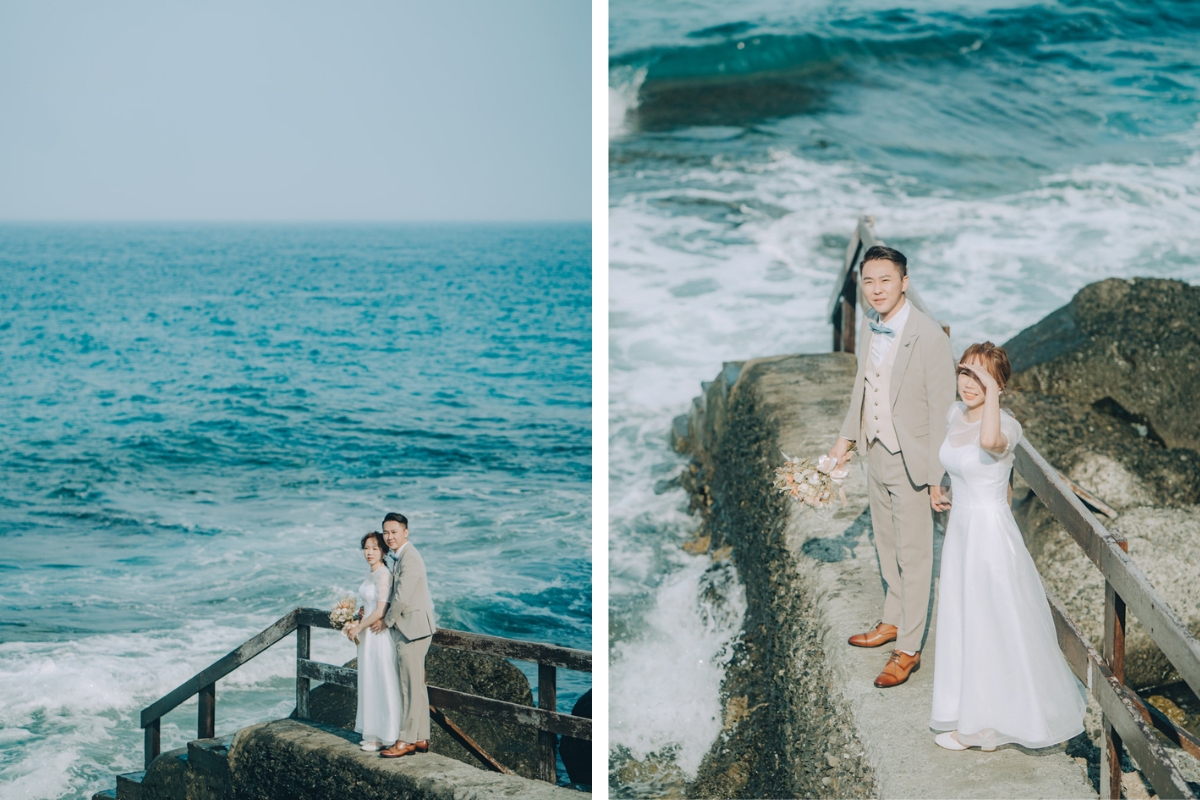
{"x":1013,"y":151}
{"x":198,"y":422}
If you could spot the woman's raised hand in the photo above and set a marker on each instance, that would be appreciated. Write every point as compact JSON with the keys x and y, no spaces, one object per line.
{"x":984,"y":378}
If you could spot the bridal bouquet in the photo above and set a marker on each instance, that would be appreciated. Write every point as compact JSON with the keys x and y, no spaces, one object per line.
{"x":343,"y":613}
{"x":814,"y":485}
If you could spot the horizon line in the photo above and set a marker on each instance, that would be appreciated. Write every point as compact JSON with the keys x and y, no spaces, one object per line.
{"x":314,"y":221}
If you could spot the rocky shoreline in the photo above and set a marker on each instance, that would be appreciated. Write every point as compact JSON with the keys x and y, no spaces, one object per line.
{"x":786,"y":733}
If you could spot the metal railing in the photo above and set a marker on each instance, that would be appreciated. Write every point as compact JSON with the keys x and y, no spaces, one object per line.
{"x":1128,"y":722}
{"x":544,"y":719}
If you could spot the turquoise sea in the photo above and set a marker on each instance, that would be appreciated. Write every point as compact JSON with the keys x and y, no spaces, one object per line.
{"x":198,"y":422}
{"x":1014,"y":151}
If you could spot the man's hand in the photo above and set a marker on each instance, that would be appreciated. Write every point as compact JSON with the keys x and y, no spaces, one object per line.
{"x":939,"y":498}
{"x":840,"y":452}
{"x":378,"y":625}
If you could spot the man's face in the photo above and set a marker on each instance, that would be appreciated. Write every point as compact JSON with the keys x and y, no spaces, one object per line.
{"x":394,"y":534}
{"x":882,"y":285}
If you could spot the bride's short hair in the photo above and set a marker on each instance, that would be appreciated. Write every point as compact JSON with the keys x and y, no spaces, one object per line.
{"x":378,"y":537}
{"x":993,"y":357}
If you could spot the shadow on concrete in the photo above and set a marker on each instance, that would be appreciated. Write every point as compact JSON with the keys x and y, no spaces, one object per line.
{"x":832,"y":549}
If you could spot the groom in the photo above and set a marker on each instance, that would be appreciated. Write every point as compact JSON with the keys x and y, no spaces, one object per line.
{"x":411,"y":614}
{"x":902,"y":392}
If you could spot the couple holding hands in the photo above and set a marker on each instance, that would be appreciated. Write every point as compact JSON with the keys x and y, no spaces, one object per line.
{"x":393,"y":639}
{"x":999,"y":675}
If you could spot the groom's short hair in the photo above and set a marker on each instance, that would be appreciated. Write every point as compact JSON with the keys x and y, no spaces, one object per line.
{"x":392,"y":516}
{"x":881,"y":253}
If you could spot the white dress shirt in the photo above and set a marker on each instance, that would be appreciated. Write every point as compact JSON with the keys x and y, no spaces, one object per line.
{"x":880,"y":344}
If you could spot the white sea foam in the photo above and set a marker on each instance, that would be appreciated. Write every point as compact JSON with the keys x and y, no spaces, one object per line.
{"x":69,"y":717}
{"x":691,"y":287}
{"x":624,"y":83}
{"x":671,"y":674}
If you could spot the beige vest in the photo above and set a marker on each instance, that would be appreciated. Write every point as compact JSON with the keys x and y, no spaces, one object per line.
{"x":877,"y":392}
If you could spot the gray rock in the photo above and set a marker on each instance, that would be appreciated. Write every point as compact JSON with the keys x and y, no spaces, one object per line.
{"x":577,"y":753}
{"x":1134,"y":342}
{"x":513,"y":746}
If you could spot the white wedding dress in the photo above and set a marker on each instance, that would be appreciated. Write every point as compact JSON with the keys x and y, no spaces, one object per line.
{"x":999,"y":675}
{"x":378,"y":717}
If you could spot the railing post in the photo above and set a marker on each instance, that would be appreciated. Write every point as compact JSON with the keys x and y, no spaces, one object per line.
{"x":206,"y":722}
{"x":837,"y":328}
{"x":152,"y":740}
{"x":547,"y":742}
{"x":848,"y":315}
{"x":1114,"y":654}
{"x":302,"y":684}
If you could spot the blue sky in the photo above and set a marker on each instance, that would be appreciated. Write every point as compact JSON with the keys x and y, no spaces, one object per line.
{"x":457,"y":110}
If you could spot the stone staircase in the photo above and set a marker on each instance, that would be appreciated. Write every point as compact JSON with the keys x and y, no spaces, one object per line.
{"x":199,"y":771}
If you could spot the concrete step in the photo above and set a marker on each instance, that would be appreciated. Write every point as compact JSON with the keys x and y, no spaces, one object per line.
{"x":129,"y":786}
{"x":208,"y":769}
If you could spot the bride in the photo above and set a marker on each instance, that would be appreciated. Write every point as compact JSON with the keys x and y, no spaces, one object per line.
{"x":378,"y":716}
{"x":999,"y":676}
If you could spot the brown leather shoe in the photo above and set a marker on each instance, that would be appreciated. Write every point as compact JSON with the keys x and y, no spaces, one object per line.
{"x":422,"y":745}
{"x":398,"y":749}
{"x":880,"y":635}
{"x":898,"y":668}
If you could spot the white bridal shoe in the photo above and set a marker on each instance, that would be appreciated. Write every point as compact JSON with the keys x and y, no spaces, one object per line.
{"x":370,"y":748}
{"x":947,"y":741}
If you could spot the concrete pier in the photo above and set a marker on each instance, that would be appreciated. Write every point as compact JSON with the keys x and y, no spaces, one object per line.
{"x":295,"y":760}
{"x":803,"y":717}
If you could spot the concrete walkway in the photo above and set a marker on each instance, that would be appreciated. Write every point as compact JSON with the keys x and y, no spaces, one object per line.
{"x":807,"y":395}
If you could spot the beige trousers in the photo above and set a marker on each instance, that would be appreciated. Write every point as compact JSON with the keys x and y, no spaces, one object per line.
{"x":414,"y":699}
{"x":903,"y":522}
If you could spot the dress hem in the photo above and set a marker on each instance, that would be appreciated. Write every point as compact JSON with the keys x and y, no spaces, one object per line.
{"x":975,"y":740}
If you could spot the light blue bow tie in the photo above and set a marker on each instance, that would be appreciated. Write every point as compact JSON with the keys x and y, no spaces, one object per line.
{"x":880,"y":328}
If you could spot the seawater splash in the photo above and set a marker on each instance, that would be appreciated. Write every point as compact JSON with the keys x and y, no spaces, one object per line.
{"x":1014,"y":153}
{"x":671,"y":673}
{"x":624,"y":83}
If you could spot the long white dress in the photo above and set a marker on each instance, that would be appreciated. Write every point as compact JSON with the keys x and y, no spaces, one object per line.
{"x":999,"y":675}
{"x":378,"y":716}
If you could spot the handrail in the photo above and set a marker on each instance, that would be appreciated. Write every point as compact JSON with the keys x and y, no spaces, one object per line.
{"x":1127,"y":720}
{"x":566,"y":657}
{"x":545,"y":719}
{"x":220,"y":668}
{"x":1164,"y":626}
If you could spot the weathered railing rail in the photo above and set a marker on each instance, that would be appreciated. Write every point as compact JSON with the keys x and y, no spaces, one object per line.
{"x":544,"y":718}
{"x":1128,"y":722}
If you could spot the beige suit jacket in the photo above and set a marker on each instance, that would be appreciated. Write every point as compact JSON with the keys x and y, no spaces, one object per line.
{"x":411,"y":609}
{"x":922,"y":388}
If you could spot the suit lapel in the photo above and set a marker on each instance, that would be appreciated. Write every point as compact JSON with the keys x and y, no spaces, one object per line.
{"x":902,"y":356}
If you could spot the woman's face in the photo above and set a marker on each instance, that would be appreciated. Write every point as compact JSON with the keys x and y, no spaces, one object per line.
{"x":372,"y":552}
{"x":969,"y":388}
